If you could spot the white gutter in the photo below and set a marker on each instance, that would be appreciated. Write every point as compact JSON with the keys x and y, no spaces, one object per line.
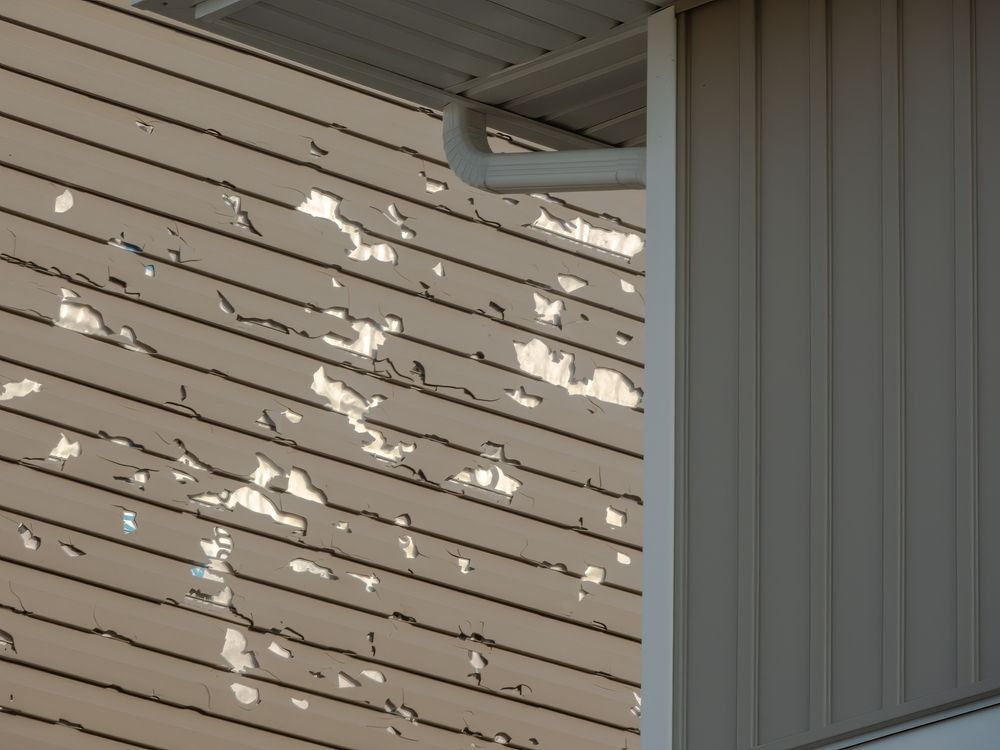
{"x":471,"y":159}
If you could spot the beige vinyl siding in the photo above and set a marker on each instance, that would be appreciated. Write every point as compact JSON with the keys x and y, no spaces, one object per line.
{"x":225,"y":418}
{"x":840,"y":393}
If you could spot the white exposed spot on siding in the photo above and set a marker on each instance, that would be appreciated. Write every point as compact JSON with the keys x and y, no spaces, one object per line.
{"x":344,"y":680}
{"x":502,"y":738}
{"x":300,"y":703}
{"x":323,"y":205}
{"x":316,"y":150}
{"x":439,"y":270}
{"x":409,"y":547}
{"x":301,"y":565}
{"x":432,"y":185}
{"x":219,"y":547}
{"x":65,"y":449}
{"x":490,"y":478}
{"x":241,"y":219}
{"x":64,"y":202}
{"x":548,"y":310}
{"x":343,"y":526}
{"x":594,"y":574}
{"x":374,"y":675}
{"x":347,"y":401}
{"x":402,"y":520}
{"x":252,"y":500}
{"x":279,"y":650}
{"x":234,"y":651}
{"x":478,"y":661}
{"x":522,"y":397}
{"x":245,"y":694}
{"x":145,"y":127}
{"x":300,"y":484}
{"x":624,"y":559}
{"x":70,"y":550}
{"x":393,"y":214}
{"x":571,"y":283}
{"x":623,"y":339}
{"x":627,"y":287}
{"x":370,"y":334}
{"x":464,"y":565}
{"x":29,"y":540}
{"x":266,"y":472}
{"x":292,"y":416}
{"x":370,"y":580}
{"x":615,"y":517}
{"x":623,"y":244}
{"x":19,"y":389}
{"x":557,"y":368}
{"x":79,"y":317}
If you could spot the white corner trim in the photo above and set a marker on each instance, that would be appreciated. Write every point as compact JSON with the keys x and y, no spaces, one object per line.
{"x":470,"y":158}
{"x":660,"y":403}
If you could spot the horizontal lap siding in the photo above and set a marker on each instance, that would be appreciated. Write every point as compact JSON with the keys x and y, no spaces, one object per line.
{"x":841,"y":367}
{"x":382,"y":599}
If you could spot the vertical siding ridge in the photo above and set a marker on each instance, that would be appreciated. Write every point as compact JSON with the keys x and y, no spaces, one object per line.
{"x":966,"y":345}
{"x":893,"y":356}
{"x":683,"y":374}
{"x":821,"y":316}
{"x":748,"y":472}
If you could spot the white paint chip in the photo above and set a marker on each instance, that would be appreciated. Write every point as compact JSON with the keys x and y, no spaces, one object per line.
{"x":234,"y":651}
{"x":344,"y":680}
{"x":557,"y":368}
{"x":571,"y":283}
{"x":245,"y":694}
{"x":323,"y":205}
{"x":627,"y":287}
{"x":292,"y":416}
{"x":301,"y":565}
{"x":279,"y":650}
{"x":594,"y":574}
{"x":374,"y":675}
{"x":522,"y":397}
{"x":624,"y":559}
{"x":547,"y":310}
{"x":613,"y":241}
{"x":370,"y":581}
{"x":409,"y":547}
{"x":19,"y":389}
{"x":300,"y":703}
{"x":64,"y":202}
{"x":65,"y":449}
{"x":29,"y":540}
{"x":615,"y":517}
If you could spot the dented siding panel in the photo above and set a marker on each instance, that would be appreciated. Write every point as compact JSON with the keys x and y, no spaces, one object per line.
{"x":296,"y":430}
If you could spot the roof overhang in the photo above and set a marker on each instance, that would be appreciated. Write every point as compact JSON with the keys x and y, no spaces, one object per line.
{"x":564,"y":74}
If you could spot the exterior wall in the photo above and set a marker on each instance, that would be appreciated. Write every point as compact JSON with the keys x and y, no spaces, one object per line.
{"x":839,"y":413}
{"x":344,"y":476}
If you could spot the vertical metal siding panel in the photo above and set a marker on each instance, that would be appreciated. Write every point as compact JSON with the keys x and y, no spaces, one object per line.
{"x":856,"y":359}
{"x":892,"y":360}
{"x":987,"y":124}
{"x":966,"y":486}
{"x":785,"y":382}
{"x":748,"y":348}
{"x":712,"y":80}
{"x":820,"y":366}
{"x":929,"y":326}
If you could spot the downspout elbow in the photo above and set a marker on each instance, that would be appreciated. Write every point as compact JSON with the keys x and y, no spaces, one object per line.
{"x":471,"y":159}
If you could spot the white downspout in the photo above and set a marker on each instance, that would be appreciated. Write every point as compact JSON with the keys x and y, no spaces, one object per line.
{"x":470,"y":157}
